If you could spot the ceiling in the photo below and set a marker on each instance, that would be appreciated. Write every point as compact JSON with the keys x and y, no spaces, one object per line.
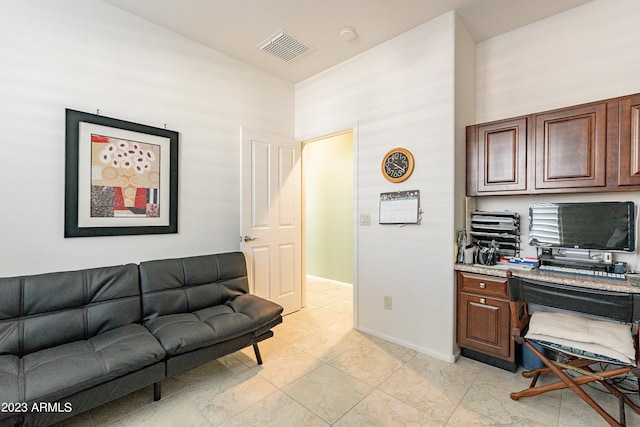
{"x":237,"y":27}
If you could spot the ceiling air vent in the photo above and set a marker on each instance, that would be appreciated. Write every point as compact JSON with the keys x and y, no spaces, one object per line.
{"x":284,"y":46}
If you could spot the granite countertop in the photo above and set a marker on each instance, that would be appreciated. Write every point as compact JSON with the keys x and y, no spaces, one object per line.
{"x":564,"y":279}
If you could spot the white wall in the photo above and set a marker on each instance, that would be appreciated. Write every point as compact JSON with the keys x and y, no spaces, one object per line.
{"x":87,"y":55}
{"x":401,"y":94}
{"x":585,"y":54}
{"x":465,"y":73}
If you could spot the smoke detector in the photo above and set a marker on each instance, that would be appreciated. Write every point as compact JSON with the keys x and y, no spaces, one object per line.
{"x":284,"y":46}
{"x":348,"y":34}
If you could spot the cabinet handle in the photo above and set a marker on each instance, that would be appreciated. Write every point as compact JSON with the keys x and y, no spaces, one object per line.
{"x":482,"y":301}
{"x":482,"y":285}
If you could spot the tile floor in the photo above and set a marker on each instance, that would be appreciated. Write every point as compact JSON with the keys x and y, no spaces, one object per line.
{"x":319,"y":371}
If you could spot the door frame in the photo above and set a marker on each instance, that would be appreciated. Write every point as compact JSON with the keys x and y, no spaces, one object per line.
{"x":352,"y":127}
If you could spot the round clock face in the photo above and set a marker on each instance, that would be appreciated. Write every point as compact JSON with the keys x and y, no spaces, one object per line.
{"x":397,"y":165}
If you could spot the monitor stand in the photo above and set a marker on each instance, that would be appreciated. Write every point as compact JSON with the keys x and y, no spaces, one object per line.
{"x":573,"y":258}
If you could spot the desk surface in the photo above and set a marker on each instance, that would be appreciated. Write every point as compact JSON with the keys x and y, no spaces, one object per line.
{"x":565,"y":279}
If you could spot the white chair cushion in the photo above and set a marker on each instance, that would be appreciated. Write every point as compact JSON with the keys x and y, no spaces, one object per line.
{"x":589,"y":338}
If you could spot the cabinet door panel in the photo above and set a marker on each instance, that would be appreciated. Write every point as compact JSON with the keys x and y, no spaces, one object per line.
{"x":571,"y":147}
{"x":483,"y":325}
{"x":502,"y":156}
{"x":629,"y":157}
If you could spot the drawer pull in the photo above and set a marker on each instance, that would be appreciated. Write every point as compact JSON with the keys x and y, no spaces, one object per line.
{"x":482,"y":300}
{"x":482,"y":285}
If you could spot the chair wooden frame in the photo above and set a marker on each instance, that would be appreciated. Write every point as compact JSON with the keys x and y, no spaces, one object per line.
{"x":619,"y":306}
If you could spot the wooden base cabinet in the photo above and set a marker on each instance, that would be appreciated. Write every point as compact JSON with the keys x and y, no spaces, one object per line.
{"x":483,"y":319}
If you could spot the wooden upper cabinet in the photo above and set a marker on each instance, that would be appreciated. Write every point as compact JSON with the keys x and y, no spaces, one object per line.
{"x":571,"y":147}
{"x":585,"y":148}
{"x":629,"y":142}
{"x":497,"y":157}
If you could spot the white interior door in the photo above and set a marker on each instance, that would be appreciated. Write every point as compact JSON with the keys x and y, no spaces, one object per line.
{"x":271,"y":231}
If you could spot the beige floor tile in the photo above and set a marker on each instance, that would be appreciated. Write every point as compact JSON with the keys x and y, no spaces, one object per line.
{"x":277,"y":410}
{"x":320,"y":299}
{"x":488,"y":402}
{"x":175,"y":411}
{"x":399,"y":352}
{"x":325,"y":345}
{"x":267,"y":347}
{"x":287,"y":365}
{"x":576,"y":412}
{"x":342,"y":293}
{"x":380,"y":409}
{"x":317,"y":284}
{"x":320,"y":317}
{"x":220,"y":401}
{"x":431,"y":385}
{"x":343,"y":307}
{"x":344,"y":327}
{"x":328,"y":392}
{"x":291,"y":330}
{"x":369,"y":364}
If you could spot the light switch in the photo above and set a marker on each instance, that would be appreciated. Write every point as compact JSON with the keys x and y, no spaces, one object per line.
{"x":365,"y":219}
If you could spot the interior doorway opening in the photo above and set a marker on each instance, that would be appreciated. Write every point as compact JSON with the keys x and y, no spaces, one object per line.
{"x":327,"y":185}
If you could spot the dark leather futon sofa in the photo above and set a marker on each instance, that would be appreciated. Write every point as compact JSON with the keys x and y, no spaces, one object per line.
{"x":72,"y":341}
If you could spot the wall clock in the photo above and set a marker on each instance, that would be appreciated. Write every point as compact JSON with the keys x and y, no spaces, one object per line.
{"x":397,"y":165}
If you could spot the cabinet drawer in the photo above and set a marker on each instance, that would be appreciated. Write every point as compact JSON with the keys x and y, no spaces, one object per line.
{"x":483,"y":285}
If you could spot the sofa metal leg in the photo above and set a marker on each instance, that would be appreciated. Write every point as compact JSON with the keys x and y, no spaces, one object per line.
{"x":257,"y":350}
{"x":157,"y":391}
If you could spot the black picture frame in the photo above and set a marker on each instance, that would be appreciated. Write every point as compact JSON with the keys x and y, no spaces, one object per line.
{"x":80,"y":217}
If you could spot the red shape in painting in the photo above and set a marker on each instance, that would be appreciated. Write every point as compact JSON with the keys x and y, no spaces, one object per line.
{"x":118,"y":199}
{"x":99,"y":138}
{"x":141,"y":198}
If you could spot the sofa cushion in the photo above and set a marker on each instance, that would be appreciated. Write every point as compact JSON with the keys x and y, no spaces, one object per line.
{"x":259,"y":310}
{"x":87,"y":302}
{"x":181,"y":333}
{"x":185,"y":285}
{"x":9,"y":379}
{"x":60,"y":371}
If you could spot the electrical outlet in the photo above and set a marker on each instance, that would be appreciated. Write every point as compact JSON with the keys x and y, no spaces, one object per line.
{"x":365,"y":219}
{"x":387,"y":303}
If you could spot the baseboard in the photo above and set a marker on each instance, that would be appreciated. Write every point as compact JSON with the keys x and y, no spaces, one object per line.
{"x":331,"y":281}
{"x":449,"y":358}
{"x":489,"y":360}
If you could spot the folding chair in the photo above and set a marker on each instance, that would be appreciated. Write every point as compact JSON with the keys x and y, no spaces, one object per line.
{"x":604,"y":310}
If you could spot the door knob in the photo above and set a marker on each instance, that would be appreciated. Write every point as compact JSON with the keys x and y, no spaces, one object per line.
{"x":249,"y":238}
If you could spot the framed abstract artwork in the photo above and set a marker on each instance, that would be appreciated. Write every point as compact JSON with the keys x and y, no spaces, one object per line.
{"x":121,"y":178}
